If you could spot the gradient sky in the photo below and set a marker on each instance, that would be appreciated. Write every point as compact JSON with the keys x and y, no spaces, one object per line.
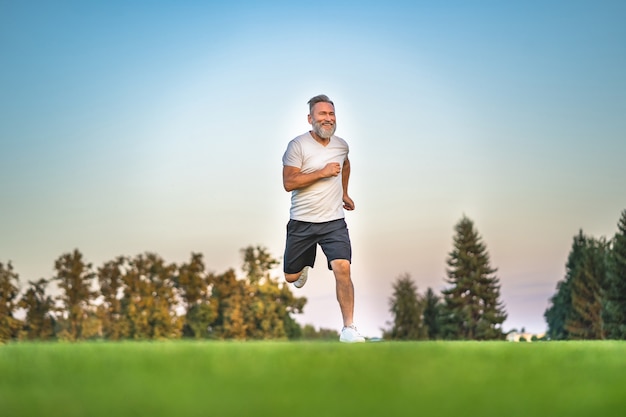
{"x":128,"y":127}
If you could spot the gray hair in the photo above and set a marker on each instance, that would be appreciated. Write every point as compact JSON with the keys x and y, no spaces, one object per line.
{"x":322,"y":98}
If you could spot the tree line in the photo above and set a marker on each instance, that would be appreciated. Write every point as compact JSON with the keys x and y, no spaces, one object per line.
{"x":469,"y":308}
{"x":146,"y":298}
{"x":590,"y":301}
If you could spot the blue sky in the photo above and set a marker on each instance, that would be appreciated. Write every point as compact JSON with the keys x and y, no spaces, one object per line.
{"x":159,"y":126}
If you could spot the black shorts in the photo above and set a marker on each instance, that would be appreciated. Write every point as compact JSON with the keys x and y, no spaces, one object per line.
{"x":303,"y":238}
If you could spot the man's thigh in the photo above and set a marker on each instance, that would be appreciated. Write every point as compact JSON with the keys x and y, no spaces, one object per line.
{"x":336,"y":243}
{"x":300,"y":246}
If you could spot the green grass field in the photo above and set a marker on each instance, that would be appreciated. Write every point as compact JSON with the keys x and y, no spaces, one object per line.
{"x":313,"y":379}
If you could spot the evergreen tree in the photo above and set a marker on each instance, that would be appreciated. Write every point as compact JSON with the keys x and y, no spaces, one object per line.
{"x":39,"y":307}
{"x":614,"y":311}
{"x":9,"y":325}
{"x":75,"y":278}
{"x":585,"y":321}
{"x":432,"y":315}
{"x":560,"y":309}
{"x":406,"y":308}
{"x":472,"y":309}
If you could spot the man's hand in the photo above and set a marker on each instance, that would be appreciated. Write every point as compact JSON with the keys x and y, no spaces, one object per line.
{"x":348,"y":204}
{"x":332,"y":169}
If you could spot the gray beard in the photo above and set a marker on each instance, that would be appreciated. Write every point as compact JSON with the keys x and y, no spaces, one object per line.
{"x":324,"y":132}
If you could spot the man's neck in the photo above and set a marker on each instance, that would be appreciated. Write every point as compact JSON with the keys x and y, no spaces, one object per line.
{"x":319,"y":139}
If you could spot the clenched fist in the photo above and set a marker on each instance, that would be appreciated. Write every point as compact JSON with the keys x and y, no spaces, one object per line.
{"x":332,"y":169}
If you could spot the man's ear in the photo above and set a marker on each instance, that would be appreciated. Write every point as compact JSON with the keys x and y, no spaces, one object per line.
{"x":310,"y":119}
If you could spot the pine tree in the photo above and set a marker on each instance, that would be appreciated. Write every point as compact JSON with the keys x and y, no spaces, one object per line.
{"x":432,"y":315}
{"x":585,"y":321}
{"x":560,"y":309}
{"x":406,"y":308}
{"x":472,"y":309}
{"x":614,"y":311}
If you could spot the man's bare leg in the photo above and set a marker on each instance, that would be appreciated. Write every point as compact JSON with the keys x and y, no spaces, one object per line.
{"x":345,"y":289}
{"x":291,"y":278}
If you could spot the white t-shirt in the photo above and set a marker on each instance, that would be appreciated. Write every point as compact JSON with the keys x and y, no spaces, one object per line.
{"x":321,"y":201}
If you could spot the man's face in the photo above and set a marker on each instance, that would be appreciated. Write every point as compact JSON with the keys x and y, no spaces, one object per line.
{"x":323,"y":120}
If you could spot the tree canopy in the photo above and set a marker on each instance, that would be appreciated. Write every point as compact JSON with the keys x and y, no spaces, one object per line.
{"x":145,"y":298}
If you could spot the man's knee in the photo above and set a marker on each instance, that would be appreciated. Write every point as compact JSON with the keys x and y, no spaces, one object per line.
{"x":291,"y":277}
{"x":341,"y":268}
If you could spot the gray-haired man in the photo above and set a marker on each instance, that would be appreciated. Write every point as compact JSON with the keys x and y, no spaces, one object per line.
{"x":316,"y":171}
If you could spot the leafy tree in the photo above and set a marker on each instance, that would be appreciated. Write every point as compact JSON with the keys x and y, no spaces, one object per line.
{"x":191,"y":280}
{"x":9,"y":291}
{"x":406,"y":308}
{"x":39,"y":307}
{"x":614,"y":312}
{"x":255,"y":307}
{"x":198,"y":319}
{"x":310,"y":333}
{"x":432,"y":315}
{"x":269,"y":304}
{"x":290,"y":305}
{"x":228,"y":297}
{"x":193,"y":285}
{"x":257,"y":263}
{"x":115,"y":324}
{"x":139,"y":298}
{"x":472,"y":309}
{"x":585,"y":319}
{"x":75,"y":278}
{"x":560,"y":309}
{"x":149,"y":299}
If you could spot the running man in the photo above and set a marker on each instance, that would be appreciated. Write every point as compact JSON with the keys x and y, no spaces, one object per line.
{"x":316,"y":171}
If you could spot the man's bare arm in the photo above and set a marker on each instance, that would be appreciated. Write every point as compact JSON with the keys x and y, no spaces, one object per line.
{"x":294,"y":179}
{"x":348,"y":204}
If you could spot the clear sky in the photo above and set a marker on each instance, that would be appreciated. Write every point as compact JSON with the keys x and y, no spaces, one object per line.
{"x":129,"y":126}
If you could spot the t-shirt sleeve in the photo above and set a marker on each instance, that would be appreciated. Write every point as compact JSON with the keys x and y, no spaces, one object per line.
{"x":293,"y":155}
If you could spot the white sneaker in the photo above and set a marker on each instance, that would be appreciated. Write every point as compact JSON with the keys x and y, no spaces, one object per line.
{"x":299,"y":283}
{"x":350,"y":334}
